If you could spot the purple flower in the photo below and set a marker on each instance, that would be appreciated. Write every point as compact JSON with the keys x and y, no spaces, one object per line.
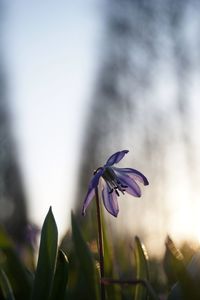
{"x":112,"y":181}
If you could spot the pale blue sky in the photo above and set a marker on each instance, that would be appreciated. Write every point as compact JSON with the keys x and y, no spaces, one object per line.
{"x":51,"y":50}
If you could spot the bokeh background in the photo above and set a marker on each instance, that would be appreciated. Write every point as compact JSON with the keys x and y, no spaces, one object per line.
{"x":80,"y":80}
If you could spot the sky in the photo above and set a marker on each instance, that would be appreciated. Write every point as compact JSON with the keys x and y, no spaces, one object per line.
{"x":51,"y":50}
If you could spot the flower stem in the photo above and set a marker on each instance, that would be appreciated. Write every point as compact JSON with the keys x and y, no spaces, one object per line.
{"x":100,"y":240}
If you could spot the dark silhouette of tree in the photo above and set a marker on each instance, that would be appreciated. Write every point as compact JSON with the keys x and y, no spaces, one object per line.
{"x":13,"y":213}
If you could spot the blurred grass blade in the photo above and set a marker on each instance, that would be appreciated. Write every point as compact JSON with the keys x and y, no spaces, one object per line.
{"x":142,"y":269}
{"x":61,"y":277}
{"x":12,"y":265}
{"x":5,"y":241}
{"x":46,"y":260}
{"x":174,"y":253}
{"x":87,"y":269}
{"x":186,"y":287}
{"x":6,"y":287}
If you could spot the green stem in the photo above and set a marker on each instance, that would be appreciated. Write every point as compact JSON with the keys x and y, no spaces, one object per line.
{"x":100,"y":240}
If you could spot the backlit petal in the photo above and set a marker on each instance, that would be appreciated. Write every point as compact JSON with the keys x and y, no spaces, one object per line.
{"x":116,"y":157}
{"x":135,"y":174}
{"x":90,"y":195}
{"x":132,"y":187}
{"x":91,"y":190}
{"x":110,"y":201}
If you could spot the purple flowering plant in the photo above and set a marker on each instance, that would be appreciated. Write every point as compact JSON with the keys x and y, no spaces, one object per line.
{"x":112,"y":181}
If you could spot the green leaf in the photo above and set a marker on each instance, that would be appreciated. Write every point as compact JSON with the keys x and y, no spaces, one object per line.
{"x":5,"y":286}
{"x":46,"y":260}
{"x":5,"y":241}
{"x":142,"y":269}
{"x":87,"y":272}
{"x":12,"y":265}
{"x":61,"y":277}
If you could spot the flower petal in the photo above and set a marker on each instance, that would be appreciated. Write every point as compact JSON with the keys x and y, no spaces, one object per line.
{"x":91,"y":190}
{"x":88,"y":199}
{"x":116,"y":157}
{"x":135,"y":174}
{"x":132,"y":187}
{"x":110,"y":201}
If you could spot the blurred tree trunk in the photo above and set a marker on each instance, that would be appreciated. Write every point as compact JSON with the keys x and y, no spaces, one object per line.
{"x":13,"y":213}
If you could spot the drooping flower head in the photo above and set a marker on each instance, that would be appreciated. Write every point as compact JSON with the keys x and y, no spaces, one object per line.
{"x":113,"y":181}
